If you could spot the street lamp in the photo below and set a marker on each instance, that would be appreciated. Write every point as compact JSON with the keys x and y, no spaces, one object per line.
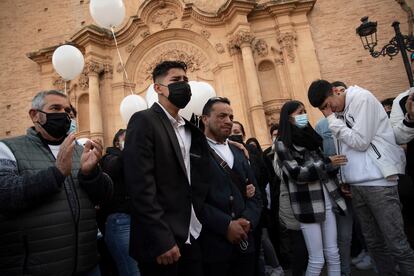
{"x":367,"y":31}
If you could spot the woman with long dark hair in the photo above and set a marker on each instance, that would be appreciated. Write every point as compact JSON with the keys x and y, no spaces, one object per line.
{"x":313,"y":187}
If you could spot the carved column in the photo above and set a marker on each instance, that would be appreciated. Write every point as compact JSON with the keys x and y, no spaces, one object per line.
{"x":243,"y":40}
{"x":93,"y":69}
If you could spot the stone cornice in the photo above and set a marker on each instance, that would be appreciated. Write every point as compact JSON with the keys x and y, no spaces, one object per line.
{"x":45,"y":55}
{"x":226,"y":12}
{"x":288,"y":7}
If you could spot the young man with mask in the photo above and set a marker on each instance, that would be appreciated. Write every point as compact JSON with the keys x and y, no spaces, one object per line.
{"x":165,"y":167}
{"x":49,"y":186}
{"x":230,"y":215}
{"x":364,"y":134}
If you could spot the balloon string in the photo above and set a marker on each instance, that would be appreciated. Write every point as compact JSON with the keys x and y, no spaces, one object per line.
{"x":120,"y":59}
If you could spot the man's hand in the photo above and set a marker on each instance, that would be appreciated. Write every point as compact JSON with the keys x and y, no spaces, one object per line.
{"x":235,"y":232}
{"x":240,"y":146}
{"x":170,"y":256}
{"x":250,"y":190}
{"x":409,"y":106}
{"x":92,"y":153}
{"x":346,"y":190}
{"x":245,"y":224}
{"x":64,"y":156}
{"x":338,"y":160}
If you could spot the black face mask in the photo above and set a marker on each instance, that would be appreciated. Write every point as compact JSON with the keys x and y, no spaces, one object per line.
{"x":236,"y":138}
{"x":180,"y":93}
{"x":57,"y":124}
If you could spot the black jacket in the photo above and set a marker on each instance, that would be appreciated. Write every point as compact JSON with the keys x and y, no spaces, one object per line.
{"x":112,"y":164}
{"x":156,"y":179}
{"x":216,"y":215}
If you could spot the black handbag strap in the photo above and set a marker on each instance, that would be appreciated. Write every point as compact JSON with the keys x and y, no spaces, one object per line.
{"x":235,"y":178}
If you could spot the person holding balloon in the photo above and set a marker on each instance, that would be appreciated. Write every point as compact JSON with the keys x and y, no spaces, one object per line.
{"x":166,"y":162}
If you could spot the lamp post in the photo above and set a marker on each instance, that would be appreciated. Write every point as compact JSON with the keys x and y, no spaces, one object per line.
{"x":367,"y":31}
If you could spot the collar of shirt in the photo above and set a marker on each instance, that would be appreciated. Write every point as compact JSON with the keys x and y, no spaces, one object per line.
{"x":175,"y":122}
{"x":215,"y":142}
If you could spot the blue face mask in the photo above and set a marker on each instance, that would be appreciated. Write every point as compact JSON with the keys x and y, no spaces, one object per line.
{"x":301,"y":120}
{"x":72,"y":126}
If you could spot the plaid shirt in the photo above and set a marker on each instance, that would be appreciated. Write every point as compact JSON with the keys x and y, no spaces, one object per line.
{"x":305,"y":172}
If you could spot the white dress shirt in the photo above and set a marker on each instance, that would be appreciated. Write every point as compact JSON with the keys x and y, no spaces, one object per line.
{"x":223,"y":150}
{"x":184,"y":139}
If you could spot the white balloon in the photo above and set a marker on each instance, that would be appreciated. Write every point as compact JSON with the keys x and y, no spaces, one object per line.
{"x":151,"y":96}
{"x":68,"y":61}
{"x":130,"y":105}
{"x":107,"y":13}
{"x":201,"y":92}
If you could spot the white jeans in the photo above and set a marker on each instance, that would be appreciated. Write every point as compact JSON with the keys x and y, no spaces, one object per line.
{"x":321,"y":242}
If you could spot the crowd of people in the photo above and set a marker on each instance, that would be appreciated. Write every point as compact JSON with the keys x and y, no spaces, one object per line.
{"x":172,"y":198}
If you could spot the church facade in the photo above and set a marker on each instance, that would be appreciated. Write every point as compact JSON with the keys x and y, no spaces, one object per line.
{"x":259,"y":54}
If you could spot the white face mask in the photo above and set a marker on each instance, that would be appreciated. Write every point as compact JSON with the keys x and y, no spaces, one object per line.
{"x":73,"y":126}
{"x":121,"y":145}
{"x":301,"y":120}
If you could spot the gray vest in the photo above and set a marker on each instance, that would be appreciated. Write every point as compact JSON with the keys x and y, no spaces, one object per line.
{"x":50,"y":238}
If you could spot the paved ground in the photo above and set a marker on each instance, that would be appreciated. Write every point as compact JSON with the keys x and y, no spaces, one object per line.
{"x":355,"y":272}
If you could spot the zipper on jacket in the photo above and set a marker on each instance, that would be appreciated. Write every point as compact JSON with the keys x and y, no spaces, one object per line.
{"x":376,"y":150}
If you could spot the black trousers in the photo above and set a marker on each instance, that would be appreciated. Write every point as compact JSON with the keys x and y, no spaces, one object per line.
{"x":241,"y":264}
{"x":189,"y":264}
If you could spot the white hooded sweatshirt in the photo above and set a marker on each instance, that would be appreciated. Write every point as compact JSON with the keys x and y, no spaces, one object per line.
{"x":364,"y":134}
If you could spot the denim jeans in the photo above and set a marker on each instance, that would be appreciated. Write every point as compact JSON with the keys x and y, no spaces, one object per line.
{"x":379,"y":212}
{"x":344,"y":226}
{"x":117,"y":229}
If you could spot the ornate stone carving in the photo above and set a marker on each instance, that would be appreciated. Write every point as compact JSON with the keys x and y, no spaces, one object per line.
{"x":220,"y":48}
{"x":287,"y":42}
{"x":108,"y":70}
{"x":119,"y":68}
{"x":59,"y":83}
{"x":241,"y":38}
{"x":187,"y":25}
{"x":279,"y":56}
{"x":272,"y":114}
{"x":205,"y":33}
{"x":195,"y":59}
{"x":164,"y":17}
{"x":261,"y":48}
{"x":233,"y":49}
{"x":91,"y":67}
{"x":130,"y":48}
{"x":83,"y":81}
{"x":146,"y":33}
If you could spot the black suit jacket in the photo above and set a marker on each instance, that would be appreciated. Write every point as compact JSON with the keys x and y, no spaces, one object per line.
{"x":216,"y":215}
{"x":156,"y":180}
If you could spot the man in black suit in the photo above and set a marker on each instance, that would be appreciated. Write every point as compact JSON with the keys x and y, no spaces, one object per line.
{"x":165,"y":160}
{"x":231,"y":212}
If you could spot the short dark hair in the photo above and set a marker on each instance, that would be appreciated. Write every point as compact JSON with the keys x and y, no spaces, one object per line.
{"x":387,"y":101}
{"x":318,"y":91}
{"x":273,"y":128}
{"x":115,"y":142}
{"x":241,"y":127}
{"x":209,"y":104}
{"x":339,"y":83}
{"x":161,"y":69}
